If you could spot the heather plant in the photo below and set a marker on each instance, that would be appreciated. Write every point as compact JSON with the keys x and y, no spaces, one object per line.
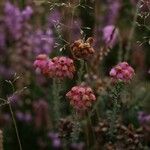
{"x":86,"y":68}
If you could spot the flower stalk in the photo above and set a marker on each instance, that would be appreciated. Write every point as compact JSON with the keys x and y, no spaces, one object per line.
{"x":116,"y":106}
{"x":76,"y":129}
{"x":56,"y":99}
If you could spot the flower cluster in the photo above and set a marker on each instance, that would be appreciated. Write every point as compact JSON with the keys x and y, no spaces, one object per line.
{"x":16,"y":30}
{"x":58,"y":67}
{"x":122,"y":72}
{"x":81,"y":49}
{"x":61,"y":67}
{"x":81,"y":97}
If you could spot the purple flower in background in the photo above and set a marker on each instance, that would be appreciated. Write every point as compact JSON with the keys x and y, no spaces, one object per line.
{"x":54,"y":137}
{"x":110,"y":35}
{"x":43,"y":41}
{"x":24,"y":117}
{"x":144,"y":120}
{"x":14,"y":19}
{"x":27,"y":13}
{"x":110,"y":19}
{"x":56,"y":143}
{"x":143,"y":117}
{"x":27,"y":117}
{"x":24,"y":44}
{"x":113,"y":11}
{"x":54,"y":18}
{"x":20,"y":115}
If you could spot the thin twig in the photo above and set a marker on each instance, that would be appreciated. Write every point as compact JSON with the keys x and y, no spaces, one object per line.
{"x":15,"y":125}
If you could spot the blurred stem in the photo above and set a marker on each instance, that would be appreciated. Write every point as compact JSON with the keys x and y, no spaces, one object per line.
{"x":56,"y":99}
{"x":113,"y":117}
{"x":93,"y":138}
{"x":87,"y":135}
{"x":76,"y":129}
{"x":120,"y":52}
{"x":86,"y":67}
{"x":115,"y":96}
{"x":89,"y":131}
{"x":97,"y":113}
{"x":95,"y":108}
{"x":15,"y":125}
{"x":131,"y":34}
{"x":65,"y":144}
{"x":81,"y":71}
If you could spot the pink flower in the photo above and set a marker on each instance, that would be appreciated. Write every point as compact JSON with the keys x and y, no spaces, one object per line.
{"x":122,"y":72}
{"x":81,"y":97}
{"x":61,"y":67}
{"x":41,"y":63}
{"x":58,"y":67}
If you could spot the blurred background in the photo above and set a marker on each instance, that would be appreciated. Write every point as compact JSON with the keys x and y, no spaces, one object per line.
{"x":32,"y":27}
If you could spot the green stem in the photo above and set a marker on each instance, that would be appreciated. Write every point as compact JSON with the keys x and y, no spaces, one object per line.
{"x":87,"y":136}
{"x":76,"y":129}
{"x":115,"y":96}
{"x":113,"y":118}
{"x":81,"y":71}
{"x":56,"y":100}
{"x":65,"y":144}
{"x":92,"y":131}
{"x":15,"y":125}
{"x":87,"y":68}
